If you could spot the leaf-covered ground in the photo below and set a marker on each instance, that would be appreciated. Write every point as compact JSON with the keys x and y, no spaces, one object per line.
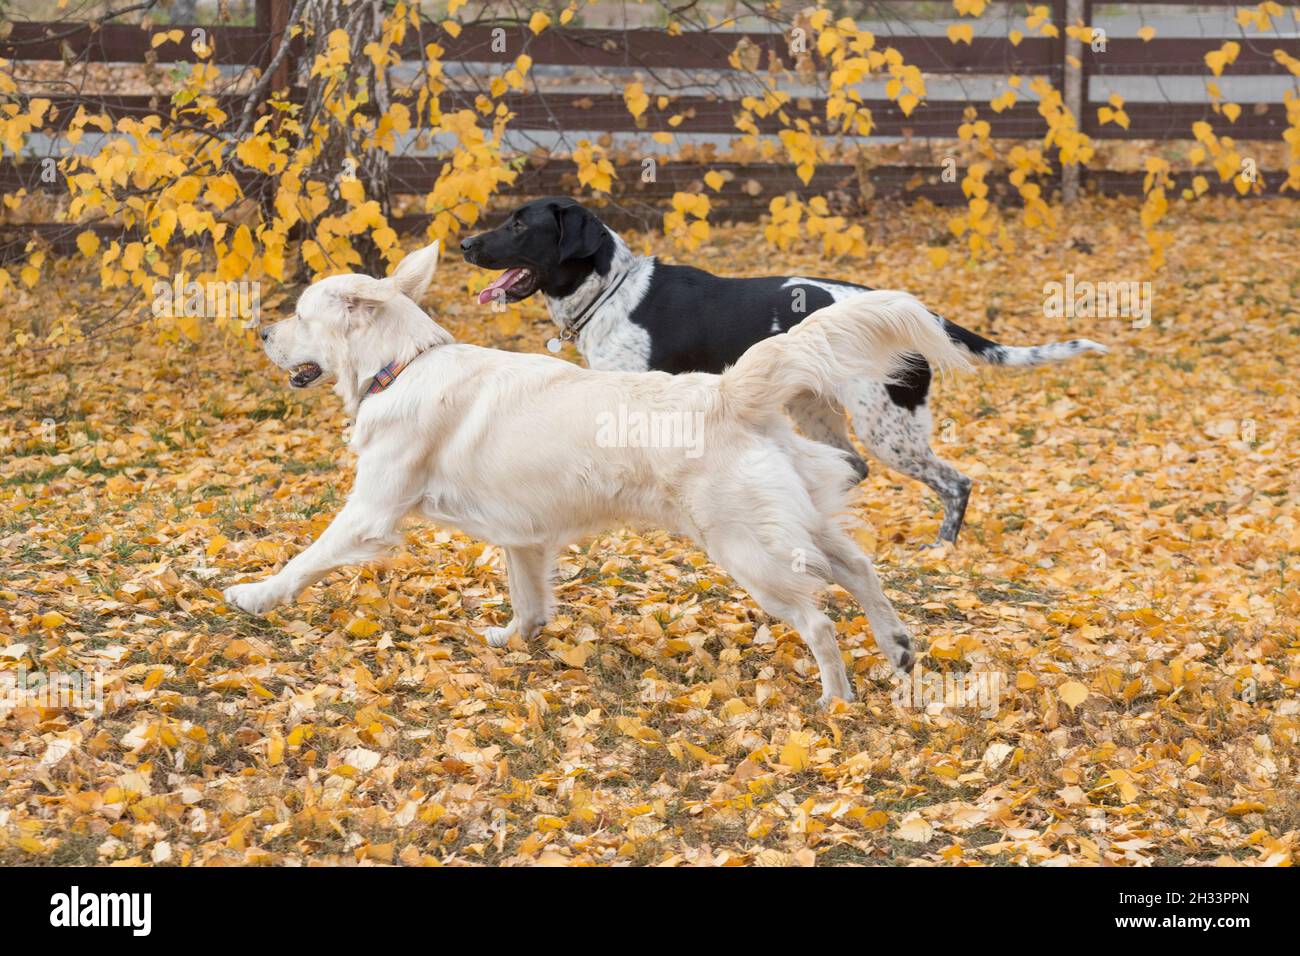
{"x":1128,"y":567}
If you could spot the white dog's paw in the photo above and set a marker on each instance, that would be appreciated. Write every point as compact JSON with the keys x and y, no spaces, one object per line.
{"x":826,"y":701}
{"x":901,"y":650}
{"x":499,"y":636}
{"x":255,"y":598}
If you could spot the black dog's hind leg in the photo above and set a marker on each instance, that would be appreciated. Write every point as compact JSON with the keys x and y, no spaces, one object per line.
{"x":822,"y":420}
{"x":900,"y":437}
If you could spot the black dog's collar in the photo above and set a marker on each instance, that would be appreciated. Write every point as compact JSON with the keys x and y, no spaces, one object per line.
{"x":572,"y":329}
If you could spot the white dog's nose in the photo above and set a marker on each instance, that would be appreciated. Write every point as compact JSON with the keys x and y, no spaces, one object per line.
{"x":264,"y":332}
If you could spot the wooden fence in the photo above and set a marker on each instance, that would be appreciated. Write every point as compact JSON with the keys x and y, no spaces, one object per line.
{"x":655,"y":51}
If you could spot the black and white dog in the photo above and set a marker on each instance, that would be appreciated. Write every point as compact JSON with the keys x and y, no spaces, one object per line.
{"x":633,"y":313}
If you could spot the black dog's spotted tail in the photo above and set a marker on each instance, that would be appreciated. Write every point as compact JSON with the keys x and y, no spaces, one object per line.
{"x":989,"y":352}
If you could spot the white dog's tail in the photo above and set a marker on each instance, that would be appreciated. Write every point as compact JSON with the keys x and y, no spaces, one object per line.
{"x":867,"y":336}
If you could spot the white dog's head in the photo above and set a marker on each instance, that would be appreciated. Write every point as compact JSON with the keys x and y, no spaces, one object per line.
{"x":348,"y":327}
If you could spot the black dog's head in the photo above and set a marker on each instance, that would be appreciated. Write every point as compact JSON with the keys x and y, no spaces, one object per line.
{"x":550,"y":245}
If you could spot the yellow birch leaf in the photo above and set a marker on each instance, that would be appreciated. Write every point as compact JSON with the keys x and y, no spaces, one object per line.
{"x":916,"y":830}
{"x":794,"y":753}
{"x":634,"y":95}
{"x":88,"y":243}
{"x":960,"y":33}
{"x":161,"y":231}
{"x":360,"y":627}
{"x":1073,"y":693}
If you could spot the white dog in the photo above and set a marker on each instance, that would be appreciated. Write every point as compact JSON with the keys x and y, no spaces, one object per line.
{"x":531,"y":452}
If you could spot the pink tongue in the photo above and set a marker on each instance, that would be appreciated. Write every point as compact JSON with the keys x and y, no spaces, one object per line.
{"x":502,"y":282}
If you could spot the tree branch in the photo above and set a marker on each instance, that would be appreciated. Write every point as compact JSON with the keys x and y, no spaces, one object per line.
{"x":256,"y":95}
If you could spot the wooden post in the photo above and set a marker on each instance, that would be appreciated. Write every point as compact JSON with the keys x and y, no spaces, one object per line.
{"x":1075,"y":94}
{"x":273,"y":20}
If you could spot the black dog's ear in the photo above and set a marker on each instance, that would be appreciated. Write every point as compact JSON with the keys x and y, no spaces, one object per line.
{"x":581,"y":233}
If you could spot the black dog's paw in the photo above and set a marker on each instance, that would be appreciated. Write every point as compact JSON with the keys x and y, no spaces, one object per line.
{"x":859,"y":469}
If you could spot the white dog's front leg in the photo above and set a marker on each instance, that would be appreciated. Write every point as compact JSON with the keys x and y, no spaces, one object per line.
{"x":256,"y":597}
{"x":500,"y":636}
{"x":350,"y":539}
{"x":530,"y":595}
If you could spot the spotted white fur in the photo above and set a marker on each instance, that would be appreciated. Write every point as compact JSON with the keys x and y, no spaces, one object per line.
{"x":609,"y":341}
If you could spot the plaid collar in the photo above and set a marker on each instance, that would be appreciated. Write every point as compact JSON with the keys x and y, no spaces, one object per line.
{"x":385,"y":377}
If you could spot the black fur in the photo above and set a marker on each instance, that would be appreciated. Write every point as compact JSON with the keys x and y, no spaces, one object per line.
{"x":558,"y":240}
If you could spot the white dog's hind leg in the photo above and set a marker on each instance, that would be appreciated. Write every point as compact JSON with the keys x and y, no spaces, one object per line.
{"x":818,"y":632}
{"x":787,"y":594}
{"x":854,"y":571}
{"x":530,"y":594}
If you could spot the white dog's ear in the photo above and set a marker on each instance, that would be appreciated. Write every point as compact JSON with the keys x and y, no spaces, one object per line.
{"x":415,"y":272}
{"x":363,"y":295}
